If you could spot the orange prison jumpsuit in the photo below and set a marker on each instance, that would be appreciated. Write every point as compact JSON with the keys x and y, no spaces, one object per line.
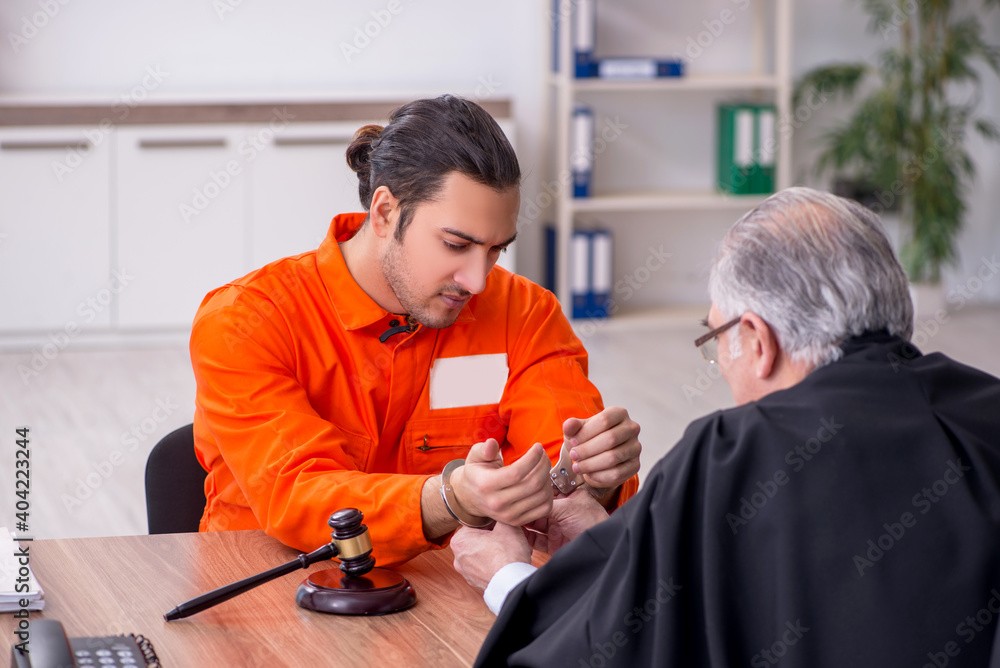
{"x":302,"y":411}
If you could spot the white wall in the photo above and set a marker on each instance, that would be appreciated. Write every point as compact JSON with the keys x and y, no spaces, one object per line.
{"x":257,"y":49}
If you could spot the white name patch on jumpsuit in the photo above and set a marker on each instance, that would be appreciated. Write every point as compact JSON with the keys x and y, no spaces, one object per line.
{"x":473,"y":380}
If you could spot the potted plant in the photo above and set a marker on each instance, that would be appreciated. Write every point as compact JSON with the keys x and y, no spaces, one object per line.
{"x":906,"y":138}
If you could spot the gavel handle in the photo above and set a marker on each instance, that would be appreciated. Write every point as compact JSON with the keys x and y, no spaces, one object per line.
{"x":216,"y":596}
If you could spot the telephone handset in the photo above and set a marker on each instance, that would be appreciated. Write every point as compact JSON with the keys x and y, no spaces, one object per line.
{"x":50,"y":648}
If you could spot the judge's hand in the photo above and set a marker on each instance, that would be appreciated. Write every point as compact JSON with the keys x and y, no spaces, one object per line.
{"x":516,"y":494}
{"x":480,"y":554}
{"x":605,"y":448}
{"x":571,"y":515}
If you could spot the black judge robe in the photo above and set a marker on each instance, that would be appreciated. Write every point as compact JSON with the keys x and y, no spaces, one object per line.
{"x":851,"y":520}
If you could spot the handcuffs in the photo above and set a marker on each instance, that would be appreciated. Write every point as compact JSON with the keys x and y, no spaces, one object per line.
{"x":564,"y":482}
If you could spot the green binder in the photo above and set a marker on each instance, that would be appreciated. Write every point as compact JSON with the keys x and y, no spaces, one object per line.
{"x":766,"y":148}
{"x":746,"y":149}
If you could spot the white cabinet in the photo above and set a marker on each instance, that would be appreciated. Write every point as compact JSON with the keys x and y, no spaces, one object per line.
{"x":55,"y":268}
{"x":120,"y":231}
{"x":181,"y":200}
{"x":300,"y":181}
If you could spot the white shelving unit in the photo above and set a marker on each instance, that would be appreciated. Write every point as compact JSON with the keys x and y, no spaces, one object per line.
{"x":773,"y":84}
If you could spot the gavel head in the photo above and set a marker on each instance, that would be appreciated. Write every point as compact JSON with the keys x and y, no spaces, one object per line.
{"x":354,"y":545}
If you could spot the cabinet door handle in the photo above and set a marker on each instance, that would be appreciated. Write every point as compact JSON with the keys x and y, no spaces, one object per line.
{"x":182,"y":143}
{"x":42,"y":145}
{"x":310,"y":141}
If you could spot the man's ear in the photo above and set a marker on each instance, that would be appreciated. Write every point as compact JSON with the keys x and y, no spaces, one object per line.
{"x":762,"y":344}
{"x":384,"y":212}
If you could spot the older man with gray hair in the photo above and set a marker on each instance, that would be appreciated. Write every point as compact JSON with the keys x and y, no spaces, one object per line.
{"x":845,"y":513}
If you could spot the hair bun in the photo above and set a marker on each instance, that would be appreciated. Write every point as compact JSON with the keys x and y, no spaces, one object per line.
{"x":361,"y":146}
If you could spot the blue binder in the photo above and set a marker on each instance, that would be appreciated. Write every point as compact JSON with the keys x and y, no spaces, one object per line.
{"x":579,"y":272}
{"x":637,"y":68}
{"x":591,"y":256}
{"x":582,"y":149}
{"x":549,"y":282}
{"x":601,"y":255}
{"x":584,"y":29}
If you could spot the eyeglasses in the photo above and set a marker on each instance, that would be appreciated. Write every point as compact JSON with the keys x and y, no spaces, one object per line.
{"x":709,"y":343}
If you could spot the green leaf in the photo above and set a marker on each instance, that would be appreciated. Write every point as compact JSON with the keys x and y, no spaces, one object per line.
{"x":963,"y":46}
{"x":987,"y":129}
{"x":830,"y":81}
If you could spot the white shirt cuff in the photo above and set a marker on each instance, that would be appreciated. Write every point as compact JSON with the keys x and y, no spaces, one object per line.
{"x":503,"y":582}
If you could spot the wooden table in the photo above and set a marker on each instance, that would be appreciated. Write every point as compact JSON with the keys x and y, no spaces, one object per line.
{"x":107,"y":586}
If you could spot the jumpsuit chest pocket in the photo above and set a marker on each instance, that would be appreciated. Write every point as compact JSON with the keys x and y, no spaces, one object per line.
{"x":430,"y":444}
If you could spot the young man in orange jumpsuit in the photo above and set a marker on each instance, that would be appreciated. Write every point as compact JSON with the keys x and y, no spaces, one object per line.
{"x":350,"y":376}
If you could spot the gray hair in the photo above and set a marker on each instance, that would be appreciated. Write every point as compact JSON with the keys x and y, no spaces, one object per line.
{"x":817,"y":268}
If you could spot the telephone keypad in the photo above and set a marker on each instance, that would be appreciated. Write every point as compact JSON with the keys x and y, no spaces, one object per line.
{"x":110,"y":651}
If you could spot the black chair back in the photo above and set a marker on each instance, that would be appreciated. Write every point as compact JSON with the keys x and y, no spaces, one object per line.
{"x":175,"y":484}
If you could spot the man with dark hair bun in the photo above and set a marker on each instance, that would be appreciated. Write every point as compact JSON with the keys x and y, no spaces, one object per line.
{"x":395,"y":369}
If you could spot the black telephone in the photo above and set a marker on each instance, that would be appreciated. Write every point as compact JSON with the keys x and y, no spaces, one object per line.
{"x":48,"y":647}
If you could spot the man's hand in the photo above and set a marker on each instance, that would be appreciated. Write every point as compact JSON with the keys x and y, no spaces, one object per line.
{"x":605,"y":448}
{"x":480,"y":554}
{"x":516,"y":494}
{"x":571,"y":515}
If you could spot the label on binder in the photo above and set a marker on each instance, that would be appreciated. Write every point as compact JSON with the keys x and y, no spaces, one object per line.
{"x":638,"y":68}
{"x":627,"y":68}
{"x":743,"y":141}
{"x":767,"y":144}
{"x":584,"y":24}
{"x":581,"y":158}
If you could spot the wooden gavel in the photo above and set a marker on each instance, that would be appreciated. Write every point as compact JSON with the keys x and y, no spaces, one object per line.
{"x":352,"y":545}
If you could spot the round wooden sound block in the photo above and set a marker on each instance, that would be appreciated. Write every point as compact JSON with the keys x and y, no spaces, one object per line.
{"x":378,"y":592}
